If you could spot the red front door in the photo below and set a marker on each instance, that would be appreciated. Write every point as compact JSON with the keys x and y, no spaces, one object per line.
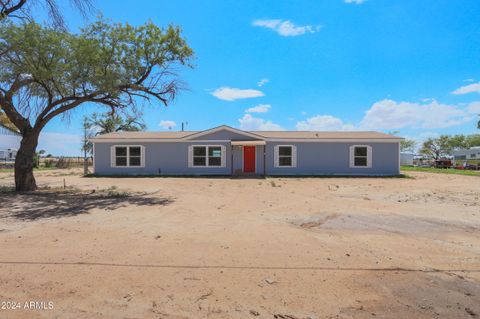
{"x":249,"y":159}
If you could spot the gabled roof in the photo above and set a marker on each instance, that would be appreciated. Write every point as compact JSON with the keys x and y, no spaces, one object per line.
{"x":260,"y":135}
{"x":226,"y":128}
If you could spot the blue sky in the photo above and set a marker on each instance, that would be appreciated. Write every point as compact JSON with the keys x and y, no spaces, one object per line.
{"x":404,"y":65}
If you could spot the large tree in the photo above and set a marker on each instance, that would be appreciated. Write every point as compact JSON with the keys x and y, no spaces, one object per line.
{"x":45,"y":72}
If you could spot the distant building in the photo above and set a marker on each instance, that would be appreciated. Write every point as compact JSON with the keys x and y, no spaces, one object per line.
{"x":406,"y":159}
{"x":470,"y":155}
{"x":9,"y":143}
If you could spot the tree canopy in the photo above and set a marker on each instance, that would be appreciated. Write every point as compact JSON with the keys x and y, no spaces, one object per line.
{"x":46,"y":72}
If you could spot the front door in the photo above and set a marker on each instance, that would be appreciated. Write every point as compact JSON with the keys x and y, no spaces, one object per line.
{"x":249,"y":159}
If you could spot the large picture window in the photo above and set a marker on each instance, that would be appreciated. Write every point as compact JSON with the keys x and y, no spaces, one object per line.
{"x":207,"y":156}
{"x":285,"y":156}
{"x":127,"y":156}
{"x":360,"y":156}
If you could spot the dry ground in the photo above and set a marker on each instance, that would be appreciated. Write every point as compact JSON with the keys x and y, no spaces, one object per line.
{"x":243,"y":248}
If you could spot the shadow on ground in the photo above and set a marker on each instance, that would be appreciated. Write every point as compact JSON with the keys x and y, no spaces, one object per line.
{"x":42,"y":204}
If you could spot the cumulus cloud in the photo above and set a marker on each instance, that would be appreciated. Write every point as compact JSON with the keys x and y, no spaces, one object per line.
{"x":232,"y":94}
{"x":323,"y":123}
{"x":167,"y":125}
{"x":250,"y":123}
{"x":389,"y":114}
{"x":475,"y":87}
{"x":260,"y":108}
{"x":285,"y":28}
{"x":355,"y":1}
{"x":262,"y":82}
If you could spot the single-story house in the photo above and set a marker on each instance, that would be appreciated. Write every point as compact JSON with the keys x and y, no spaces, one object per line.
{"x":471,"y":155}
{"x":9,"y":143}
{"x":225,"y":150}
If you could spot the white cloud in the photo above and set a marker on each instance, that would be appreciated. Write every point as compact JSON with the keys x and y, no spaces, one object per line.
{"x":260,"y":108}
{"x":468,"y":80}
{"x":60,"y":144}
{"x":262,"y":82}
{"x":474,"y":107}
{"x":250,"y":123}
{"x":232,"y":94}
{"x":391,"y":115}
{"x":355,"y":1}
{"x":388,"y":114}
{"x":285,"y":28}
{"x":167,"y":125}
{"x":475,"y":87}
{"x":323,"y":123}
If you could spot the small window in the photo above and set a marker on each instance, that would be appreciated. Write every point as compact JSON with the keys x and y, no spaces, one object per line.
{"x":285,"y":156}
{"x":360,"y":156}
{"x":215,"y":156}
{"x":199,"y":156}
{"x":128,"y":156}
{"x":207,"y":156}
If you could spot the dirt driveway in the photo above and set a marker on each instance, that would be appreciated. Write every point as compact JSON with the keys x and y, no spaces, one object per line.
{"x":242,"y":248}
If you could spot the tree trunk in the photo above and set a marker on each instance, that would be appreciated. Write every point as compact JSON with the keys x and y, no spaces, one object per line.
{"x":24,"y":179}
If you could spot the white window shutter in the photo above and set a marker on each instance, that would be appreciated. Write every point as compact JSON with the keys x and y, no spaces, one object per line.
{"x":190,"y":156}
{"x":294,"y":156}
{"x":352,"y":156}
{"x":275,"y":156}
{"x":142,"y":156}
{"x":112,"y":156}
{"x":369,"y":156}
{"x":223,"y":153}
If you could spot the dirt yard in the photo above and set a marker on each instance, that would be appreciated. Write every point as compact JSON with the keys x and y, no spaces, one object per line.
{"x":241,"y":248}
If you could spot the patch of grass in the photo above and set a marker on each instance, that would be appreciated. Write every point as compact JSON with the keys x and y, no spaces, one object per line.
{"x":440,"y":170}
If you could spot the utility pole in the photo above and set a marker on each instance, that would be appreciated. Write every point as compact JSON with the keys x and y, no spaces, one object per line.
{"x":184,"y":124}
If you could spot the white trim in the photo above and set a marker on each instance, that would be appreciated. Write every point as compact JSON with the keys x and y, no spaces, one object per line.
{"x":113,"y":157}
{"x":336,"y":140}
{"x":276,"y":157}
{"x":352,"y":156}
{"x":221,"y":128}
{"x":93,"y":158}
{"x":243,"y":159}
{"x":248,"y":143}
{"x":222,"y":156}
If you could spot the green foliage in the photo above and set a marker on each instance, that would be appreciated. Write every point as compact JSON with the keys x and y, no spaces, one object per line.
{"x":440,"y":170}
{"x":407,"y":145}
{"x":111,"y":64}
{"x":445,"y":145}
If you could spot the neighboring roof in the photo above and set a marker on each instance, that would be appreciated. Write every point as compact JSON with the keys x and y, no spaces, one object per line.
{"x":269,"y":135}
{"x":3,"y":127}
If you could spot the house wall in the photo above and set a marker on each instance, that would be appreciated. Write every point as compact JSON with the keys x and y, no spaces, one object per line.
{"x":160,"y":159}
{"x":325,"y":158}
{"x":313,"y":158}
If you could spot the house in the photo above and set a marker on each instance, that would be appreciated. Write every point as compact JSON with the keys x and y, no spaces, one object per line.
{"x":470,"y":156}
{"x":225,"y":150}
{"x":406,"y":158}
{"x":9,"y":143}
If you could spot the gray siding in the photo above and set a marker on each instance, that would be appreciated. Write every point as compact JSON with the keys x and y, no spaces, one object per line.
{"x":313,"y":158}
{"x":160,"y":159}
{"x":225,"y":135}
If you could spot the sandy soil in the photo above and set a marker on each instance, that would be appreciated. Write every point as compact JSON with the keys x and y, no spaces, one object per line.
{"x":242,"y":248}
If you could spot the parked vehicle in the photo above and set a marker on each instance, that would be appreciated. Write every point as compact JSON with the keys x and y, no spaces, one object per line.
{"x":443,"y":163}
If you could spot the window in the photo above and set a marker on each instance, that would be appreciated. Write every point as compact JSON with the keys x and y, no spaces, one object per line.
{"x":361,"y":156}
{"x":207,"y":156}
{"x":127,"y":156}
{"x":285,"y":156}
